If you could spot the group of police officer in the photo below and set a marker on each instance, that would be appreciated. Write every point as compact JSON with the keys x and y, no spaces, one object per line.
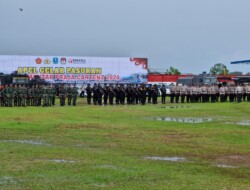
{"x":36,"y":95}
{"x":120,"y":93}
{"x":209,"y":93}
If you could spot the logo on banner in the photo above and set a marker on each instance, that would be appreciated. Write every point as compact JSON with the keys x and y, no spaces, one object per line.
{"x":55,"y":60}
{"x":38,"y":60}
{"x":47,"y":61}
{"x":79,"y":61}
{"x":63,"y":60}
{"x":70,"y":61}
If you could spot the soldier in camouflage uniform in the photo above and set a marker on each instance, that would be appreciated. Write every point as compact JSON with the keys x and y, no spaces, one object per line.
{"x":1,"y":97}
{"x":11,"y":92}
{"x":62,"y":95}
{"x":15,"y":95}
{"x":36,"y":95}
{"x":50,"y":95}
{"x":74,"y":95}
{"x":69,"y":94}
{"x":29,"y":96}
{"x":45,"y":96}
{"x":23,"y":95}
{"x":40,"y":90}
{"x":53,"y":94}
{"x":8,"y":94}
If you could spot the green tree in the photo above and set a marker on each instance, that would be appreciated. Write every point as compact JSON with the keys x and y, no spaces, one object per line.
{"x":219,"y":69}
{"x":173,"y":71}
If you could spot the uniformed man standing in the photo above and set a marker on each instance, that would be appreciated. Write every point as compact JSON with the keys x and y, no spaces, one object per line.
{"x":189,"y":89}
{"x":193,"y":94}
{"x":69,"y":94}
{"x":74,"y":94}
{"x":183,"y":92}
{"x":149,"y":92}
{"x":143,"y":92}
{"x":45,"y":96}
{"x":53,"y":94}
{"x":133,"y":94}
{"x":155,"y":93}
{"x":117,"y":94}
{"x":29,"y":96}
{"x":95,"y":95}
{"x":222,"y":93}
{"x":89,"y":92}
{"x":198,"y":91}
{"x":111,"y":94}
{"x":248,"y":92}
{"x":1,"y":97}
{"x":62,"y":95}
{"x":10,"y":95}
{"x":36,"y":95}
{"x":163,"y":94}
{"x":105,"y":94}
{"x":99,"y":94}
{"x":128,"y":93}
{"x":177,"y":93}
{"x":212,"y":91}
{"x":239,"y":92}
{"x":244,"y":94}
{"x":122,"y":94}
{"x":23,"y":95}
{"x":231,"y":92}
{"x":204,"y":93}
{"x":172,"y":92}
{"x":137,"y":94}
{"x":15,"y":95}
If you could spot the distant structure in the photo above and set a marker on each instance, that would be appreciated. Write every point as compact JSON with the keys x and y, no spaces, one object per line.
{"x":241,"y":62}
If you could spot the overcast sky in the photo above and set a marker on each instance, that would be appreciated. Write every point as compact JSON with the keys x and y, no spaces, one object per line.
{"x":191,"y":35}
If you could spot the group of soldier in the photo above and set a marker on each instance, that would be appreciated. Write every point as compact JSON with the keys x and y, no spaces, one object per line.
{"x":209,"y":93}
{"x":36,"y":95}
{"x":45,"y":95}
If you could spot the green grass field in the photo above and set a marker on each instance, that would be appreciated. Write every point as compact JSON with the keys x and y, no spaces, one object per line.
{"x":97,"y":147}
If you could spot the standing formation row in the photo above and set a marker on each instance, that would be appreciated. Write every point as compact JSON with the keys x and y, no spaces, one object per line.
{"x":44,"y":95}
{"x":209,"y":93}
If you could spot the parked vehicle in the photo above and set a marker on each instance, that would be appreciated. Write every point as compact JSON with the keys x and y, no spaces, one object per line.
{"x":198,"y":80}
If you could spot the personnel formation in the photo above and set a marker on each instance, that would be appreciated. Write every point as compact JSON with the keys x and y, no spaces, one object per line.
{"x":45,"y":95}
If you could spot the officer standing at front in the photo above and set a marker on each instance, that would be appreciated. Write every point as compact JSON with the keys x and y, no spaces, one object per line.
{"x":163,"y":94}
{"x":89,"y":92}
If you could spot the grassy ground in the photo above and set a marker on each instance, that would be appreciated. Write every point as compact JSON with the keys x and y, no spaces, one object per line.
{"x":97,"y":147}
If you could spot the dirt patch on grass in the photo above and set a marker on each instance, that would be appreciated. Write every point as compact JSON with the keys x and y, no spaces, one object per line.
{"x":81,"y":126}
{"x":177,"y":137}
{"x":243,"y":160}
